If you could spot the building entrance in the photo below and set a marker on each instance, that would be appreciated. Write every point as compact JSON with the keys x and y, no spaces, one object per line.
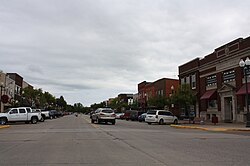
{"x":228,"y":109}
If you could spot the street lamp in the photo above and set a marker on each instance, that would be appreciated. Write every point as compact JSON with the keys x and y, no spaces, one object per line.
{"x":145,"y":101}
{"x":246,"y":65}
{"x":172,"y":92}
{"x":172,"y":89}
{"x":1,"y":96}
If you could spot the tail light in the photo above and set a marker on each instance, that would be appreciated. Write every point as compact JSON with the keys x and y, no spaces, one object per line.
{"x":113,"y":115}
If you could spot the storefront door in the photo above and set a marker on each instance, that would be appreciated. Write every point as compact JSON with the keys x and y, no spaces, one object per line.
{"x":228,"y":109}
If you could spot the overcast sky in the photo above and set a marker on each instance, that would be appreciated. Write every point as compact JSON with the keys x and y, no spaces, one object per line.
{"x":91,"y":50}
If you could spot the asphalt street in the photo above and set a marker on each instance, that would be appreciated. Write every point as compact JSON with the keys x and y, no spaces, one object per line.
{"x":74,"y":140}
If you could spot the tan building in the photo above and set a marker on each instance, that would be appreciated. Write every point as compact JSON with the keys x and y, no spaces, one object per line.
{"x":7,"y":89}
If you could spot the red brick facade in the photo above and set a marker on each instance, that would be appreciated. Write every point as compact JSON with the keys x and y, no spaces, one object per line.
{"x":219,"y":71}
{"x":147,"y":90}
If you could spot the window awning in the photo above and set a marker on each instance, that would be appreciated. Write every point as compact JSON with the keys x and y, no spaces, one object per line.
{"x":208,"y":94}
{"x":242,"y":90}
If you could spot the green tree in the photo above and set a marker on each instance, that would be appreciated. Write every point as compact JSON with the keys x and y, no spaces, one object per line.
{"x":61,"y":103}
{"x":31,"y":97}
{"x":184,"y":98}
{"x":135,"y":105}
{"x":99,"y":105}
{"x":158,"y":102}
{"x":118,"y":105}
{"x":50,"y":100}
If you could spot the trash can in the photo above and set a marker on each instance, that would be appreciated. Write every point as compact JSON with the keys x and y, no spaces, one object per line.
{"x":214,"y":120}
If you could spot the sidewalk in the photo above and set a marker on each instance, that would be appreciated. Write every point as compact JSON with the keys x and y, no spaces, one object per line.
{"x":208,"y":126}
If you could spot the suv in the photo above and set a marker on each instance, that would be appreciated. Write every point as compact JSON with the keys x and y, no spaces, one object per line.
{"x":103,"y":115}
{"x":160,"y":117}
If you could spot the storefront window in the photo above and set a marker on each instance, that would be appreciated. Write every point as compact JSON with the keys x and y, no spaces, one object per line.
{"x":212,"y":103}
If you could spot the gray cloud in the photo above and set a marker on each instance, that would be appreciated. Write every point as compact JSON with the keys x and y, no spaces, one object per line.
{"x":90,"y":50}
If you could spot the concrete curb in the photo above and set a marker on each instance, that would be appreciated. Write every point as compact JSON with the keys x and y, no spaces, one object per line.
{"x":210,"y":128}
{"x":4,"y":126}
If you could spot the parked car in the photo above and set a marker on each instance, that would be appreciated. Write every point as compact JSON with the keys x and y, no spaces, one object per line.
{"x":118,"y":115}
{"x":20,"y":114}
{"x":103,"y":115}
{"x":142,"y":117}
{"x":135,"y":114}
{"x":42,"y":115}
{"x":127,"y":115}
{"x":160,"y":117}
{"x":47,"y":114}
{"x":53,"y":114}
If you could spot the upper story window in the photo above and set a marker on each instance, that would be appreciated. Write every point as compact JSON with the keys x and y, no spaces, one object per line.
{"x":211,"y":80}
{"x":182,"y":81}
{"x":193,"y":81}
{"x":17,"y":90}
{"x":188,"y":80}
{"x":229,"y":76}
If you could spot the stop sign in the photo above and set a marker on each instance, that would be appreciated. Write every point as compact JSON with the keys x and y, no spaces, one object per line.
{"x":5,"y":98}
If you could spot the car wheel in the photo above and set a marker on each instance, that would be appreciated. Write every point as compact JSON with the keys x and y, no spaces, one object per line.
{"x":3,"y":121}
{"x":34,"y":120}
{"x":92,"y":121}
{"x":161,"y":122}
{"x":175,"y":121}
{"x":149,"y":123}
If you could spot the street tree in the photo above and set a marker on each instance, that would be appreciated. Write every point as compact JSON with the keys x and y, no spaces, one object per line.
{"x":158,"y":102}
{"x":184,"y":98}
{"x":61,"y":103}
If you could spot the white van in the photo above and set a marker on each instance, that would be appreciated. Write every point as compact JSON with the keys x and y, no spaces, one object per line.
{"x":160,"y":117}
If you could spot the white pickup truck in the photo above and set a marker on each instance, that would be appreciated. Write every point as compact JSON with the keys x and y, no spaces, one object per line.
{"x":20,"y":114}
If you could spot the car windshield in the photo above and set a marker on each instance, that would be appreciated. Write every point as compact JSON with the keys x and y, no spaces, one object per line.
{"x":151,"y":112}
{"x":107,"y":111}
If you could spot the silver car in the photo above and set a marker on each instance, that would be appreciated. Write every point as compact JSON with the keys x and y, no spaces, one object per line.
{"x":160,"y":117}
{"x":103,"y":115}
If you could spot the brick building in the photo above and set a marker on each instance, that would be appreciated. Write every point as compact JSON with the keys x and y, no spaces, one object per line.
{"x":161,"y":87}
{"x":126,"y":98}
{"x":18,"y":85}
{"x":217,"y":80}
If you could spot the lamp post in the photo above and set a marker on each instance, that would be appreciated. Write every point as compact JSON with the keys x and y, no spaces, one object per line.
{"x":172,"y":92}
{"x":246,"y":66}
{"x":1,"y":96}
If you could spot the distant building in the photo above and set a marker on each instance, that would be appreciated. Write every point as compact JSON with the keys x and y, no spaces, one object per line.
{"x":126,"y":98}
{"x":26,"y":85}
{"x":162,"y":87}
{"x":135,"y":98}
